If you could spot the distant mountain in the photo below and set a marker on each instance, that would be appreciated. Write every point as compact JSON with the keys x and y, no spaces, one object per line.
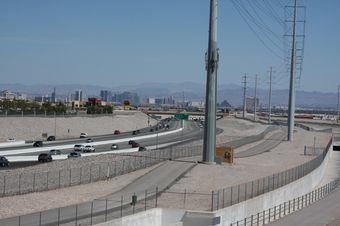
{"x":188,"y":90}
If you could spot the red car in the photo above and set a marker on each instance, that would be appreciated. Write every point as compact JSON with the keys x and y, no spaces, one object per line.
{"x":116,"y":132}
{"x":135,"y":145}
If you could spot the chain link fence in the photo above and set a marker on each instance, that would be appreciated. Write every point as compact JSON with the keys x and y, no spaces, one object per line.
{"x":15,"y":183}
{"x":91,"y":213}
{"x":279,"y":211}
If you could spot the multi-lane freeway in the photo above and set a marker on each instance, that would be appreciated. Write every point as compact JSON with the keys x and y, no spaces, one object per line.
{"x":177,"y":133}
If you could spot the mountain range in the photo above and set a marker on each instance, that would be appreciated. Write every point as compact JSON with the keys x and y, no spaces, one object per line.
{"x":186,"y":90}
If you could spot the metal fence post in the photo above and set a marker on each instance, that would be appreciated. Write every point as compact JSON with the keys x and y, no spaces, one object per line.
{"x":59,"y":179}
{"x":58,"y":216}
{"x":146,"y":194}
{"x":19,"y":183}
{"x":34,"y":182}
{"x":47,"y":180}
{"x":121,"y":206}
{"x":91,"y":212}
{"x":76,"y":214}
{"x":156,"y":196}
{"x":212,"y":200}
{"x":105,"y":210}
{"x":238,"y":193}
{"x":223,"y":198}
{"x":70,"y":177}
{"x":185,"y":194}
{"x":231,"y":196}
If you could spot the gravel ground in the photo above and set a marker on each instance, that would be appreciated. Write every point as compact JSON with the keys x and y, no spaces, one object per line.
{"x":284,"y":156}
{"x":31,"y":128}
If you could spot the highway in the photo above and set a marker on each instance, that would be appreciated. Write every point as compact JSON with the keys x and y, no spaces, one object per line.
{"x":192,"y":131}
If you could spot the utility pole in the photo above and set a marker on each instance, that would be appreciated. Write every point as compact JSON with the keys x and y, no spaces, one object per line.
{"x":209,"y":142}
{"x":255,"y":98}
{"x":337,"y":119}
{"x":270,"y":96}
{"x":291,"y":104}
{"x":244,"y":95}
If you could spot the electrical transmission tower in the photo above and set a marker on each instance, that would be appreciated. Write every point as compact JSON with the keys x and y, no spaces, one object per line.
{"x":297,"y":37}
{"x":255,"y":98}
{"x":337,"y":119}
{"x":270,"y":95}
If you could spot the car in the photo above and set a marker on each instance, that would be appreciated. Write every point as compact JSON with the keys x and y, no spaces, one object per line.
{"x":151,"y":130}
{"x":83,"y":135}
{"x":74,"y":155}
{"x":45,"y":157}
{"x":89,"y":140}
{"x":135,"y":145}
{"x":51,"y":138}
{"x":134,"y":132}
{"x":55,"y":152}
{"x":89,"y":148}
{"x":114,"y":147}
{"x":10,"y":140}
{"x":78,"y":147}
{"x":142,"y":149}
{"x":4,"y":161}
{"x":131,"y":142}
{"x":116,"y":132}
{"x":38,"y":143}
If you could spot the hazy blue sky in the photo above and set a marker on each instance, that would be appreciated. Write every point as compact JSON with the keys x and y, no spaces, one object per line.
{"x":112,"y":42}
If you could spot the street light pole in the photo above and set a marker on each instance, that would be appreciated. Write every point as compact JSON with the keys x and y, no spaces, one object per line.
{"x":209,"y":142}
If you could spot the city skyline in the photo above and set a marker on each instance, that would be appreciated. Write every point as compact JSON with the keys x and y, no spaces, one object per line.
{"x":129,"y":43}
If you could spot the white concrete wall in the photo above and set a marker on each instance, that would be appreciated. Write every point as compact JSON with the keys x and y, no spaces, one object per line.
{"x":278,"y":196}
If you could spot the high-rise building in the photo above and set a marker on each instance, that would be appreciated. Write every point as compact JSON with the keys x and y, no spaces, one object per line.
{"x":53,"y":96}
{"x":78,"y":95}
{"x":106,"y":95}
{"x":133,"y":98}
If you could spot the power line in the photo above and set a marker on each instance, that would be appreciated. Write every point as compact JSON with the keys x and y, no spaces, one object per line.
{"x":237,"y":7}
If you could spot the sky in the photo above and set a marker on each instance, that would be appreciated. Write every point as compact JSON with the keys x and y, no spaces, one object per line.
{"x":112,"y":43}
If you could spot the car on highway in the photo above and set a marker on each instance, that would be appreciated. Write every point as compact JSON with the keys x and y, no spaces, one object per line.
{"x":78,"y":147}
{"x":114,"y":147}
{"x":74,"y":155}
{"x":38,"y":143}
{"x":135,"y":145}
{"x":89,"y":148}
{"x":51,"y":138}
{"x":10,"y":140}
{"x":83,"y":135}
{"x":45,"y":157}
{"x":89,"y":140}
{"x":4,"y":161}
{"x":116,"y":132}
{"x":142,"y":149}
{"x":55,"y":152}
{"x":131,"y":142}
{"x":151,"y":130}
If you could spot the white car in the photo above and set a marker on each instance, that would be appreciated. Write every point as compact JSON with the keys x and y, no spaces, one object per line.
{"x":89,"y":148}
{"x":10,"y":140}
{"x":78,"y":147}
{"x":83,"y":135}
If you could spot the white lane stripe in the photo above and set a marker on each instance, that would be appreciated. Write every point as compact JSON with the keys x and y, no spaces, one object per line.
{"x":68,"y":146}
{"x":30,"y":158}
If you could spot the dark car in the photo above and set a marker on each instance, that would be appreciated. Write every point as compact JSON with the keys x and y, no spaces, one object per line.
{"x":44,"y":157}
{"x":142,"y":149}
{"x":131,"y":142}
{"x":51,"y":138}
{"x":151,"y":130}
{"x":89,"y":140}
{"x":74,"y":155}
{"x":134,"y":132}
{"x":135,"y":145}
{"x":55,"y":152}
{"x":4,"y":161}
{"x":116,"y":132}
{"x":38,"y":143}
